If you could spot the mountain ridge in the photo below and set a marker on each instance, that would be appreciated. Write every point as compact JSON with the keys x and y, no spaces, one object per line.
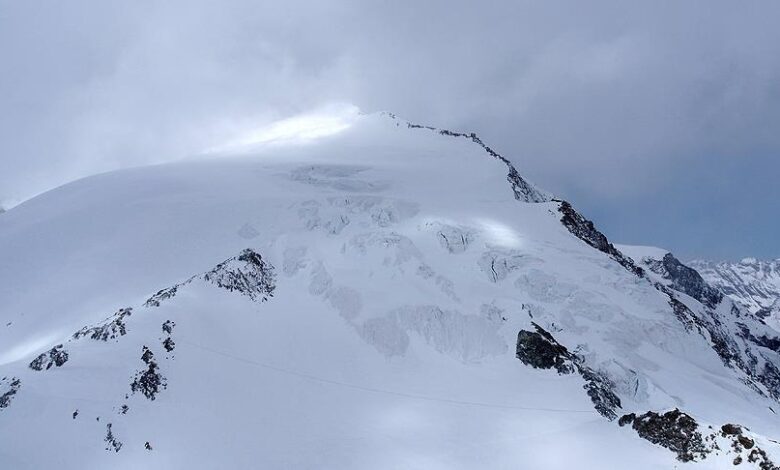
{"x":407,"y":309}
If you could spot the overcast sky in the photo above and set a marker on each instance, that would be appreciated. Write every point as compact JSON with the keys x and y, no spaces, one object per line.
{"x":660,"y":120}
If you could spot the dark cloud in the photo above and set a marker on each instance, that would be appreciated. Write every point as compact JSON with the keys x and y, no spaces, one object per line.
{"x":660,"y":119}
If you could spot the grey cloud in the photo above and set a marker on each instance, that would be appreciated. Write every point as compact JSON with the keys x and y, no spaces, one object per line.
{"x":617,"y":105}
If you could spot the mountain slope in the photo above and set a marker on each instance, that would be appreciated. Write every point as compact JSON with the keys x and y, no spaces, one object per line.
{"x":393,"y":296}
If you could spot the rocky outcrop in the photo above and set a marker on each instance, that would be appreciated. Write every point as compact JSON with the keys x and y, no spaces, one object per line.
{"x":8,"y":388}
{"x":522,"y":189}
{"x":161,"y":296}
{"x":112,"y":443}
{"x":56,"y":356}
{"x":148,"y":382}
{"x":674,"y":430}
{"x":112,"y":328}
{"x":685,"y":279}
{"x":681,"y":434}
{"x":168,"y":344}
{"x":540,"y":350}
{"x":247,"y":274}
{"x":584,"y":229}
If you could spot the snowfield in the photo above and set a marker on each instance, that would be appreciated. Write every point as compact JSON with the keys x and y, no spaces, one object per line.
{"x":390,"y":296}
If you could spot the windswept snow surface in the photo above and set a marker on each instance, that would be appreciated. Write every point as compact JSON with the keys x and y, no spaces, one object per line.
{"x":354,"y":302}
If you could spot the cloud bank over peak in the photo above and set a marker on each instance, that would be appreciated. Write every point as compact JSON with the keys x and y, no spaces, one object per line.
{"x":662,"y":111}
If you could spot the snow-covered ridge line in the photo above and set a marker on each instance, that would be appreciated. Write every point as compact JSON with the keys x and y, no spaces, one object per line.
{"x":246,"y":274}
{"x":585,"y":230}
{"x":523,"y":190}
{"x":254,"y":278}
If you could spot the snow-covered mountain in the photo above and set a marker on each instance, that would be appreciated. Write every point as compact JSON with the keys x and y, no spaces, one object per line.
{"x":390,"y":296}
{"x":753,"y":284}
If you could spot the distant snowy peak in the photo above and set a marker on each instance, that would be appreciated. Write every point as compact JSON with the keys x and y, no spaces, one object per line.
{"x":752,"y":283}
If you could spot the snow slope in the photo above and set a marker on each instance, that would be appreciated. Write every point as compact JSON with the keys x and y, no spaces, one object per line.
{"x":391,"y":296}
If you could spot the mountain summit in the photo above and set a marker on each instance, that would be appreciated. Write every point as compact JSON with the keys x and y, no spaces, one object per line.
{"x":389,"y":296}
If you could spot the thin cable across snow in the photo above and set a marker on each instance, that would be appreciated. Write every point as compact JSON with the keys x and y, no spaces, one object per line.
{"x":372,"y":389}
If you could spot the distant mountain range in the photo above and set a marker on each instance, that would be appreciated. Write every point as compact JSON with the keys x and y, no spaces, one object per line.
{"x":754,"y":284}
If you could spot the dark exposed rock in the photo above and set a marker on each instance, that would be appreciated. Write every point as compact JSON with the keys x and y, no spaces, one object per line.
{"x":772,"y":343}
{"x":764,"y":340}
{"x":147,"y":446}
{"x":147,"y":355}
{"x":168,"y":342}
{"x":746,"y":442}
{"x":739,"y":442}
{"x":686,"y":280}
{"x":75,"y":413}
{"x":150,"y":381}
{"x":731,"y":430}
{"x":600,"y":390}
{"x":167,"y":327}
{"x":626,"y":419}
{"x":540,"y":350}
{"x":112,"y":328}
{"x":680,"y":433}
{"x":758,"y":456}
{"x":56,"y":356}
{"x":674,"y":430}
{"x":247,"y":274}
{"x":8,"y":388}
{"x":112,"y":443}
{"x":584,"y":229}
{"x":161,"y":296}
{"x":681,"y":311}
